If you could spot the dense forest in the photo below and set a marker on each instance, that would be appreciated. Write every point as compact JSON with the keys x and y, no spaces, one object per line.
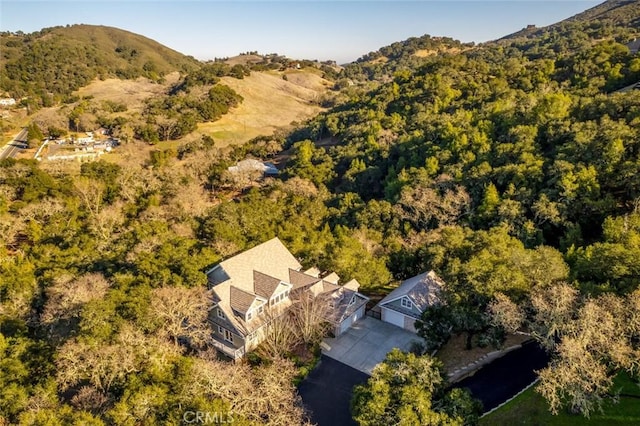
{"x":511,"y":168}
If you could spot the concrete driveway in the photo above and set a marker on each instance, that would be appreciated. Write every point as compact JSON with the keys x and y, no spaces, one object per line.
{"x":366,"y":343}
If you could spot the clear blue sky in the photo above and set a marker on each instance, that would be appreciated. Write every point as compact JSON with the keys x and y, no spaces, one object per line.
{"x":340,"y":30}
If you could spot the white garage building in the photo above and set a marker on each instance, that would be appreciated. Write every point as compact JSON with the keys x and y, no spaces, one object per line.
{"x":404,"y":305}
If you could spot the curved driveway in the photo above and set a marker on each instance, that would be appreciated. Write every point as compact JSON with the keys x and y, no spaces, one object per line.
{"x":506,"y":376}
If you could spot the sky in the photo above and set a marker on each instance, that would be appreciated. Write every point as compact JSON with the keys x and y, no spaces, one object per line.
{"x":302,"y":29}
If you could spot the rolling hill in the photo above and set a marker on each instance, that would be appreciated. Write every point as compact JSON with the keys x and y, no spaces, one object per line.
{"x":619,"y":13}
{"x":50,"y":64}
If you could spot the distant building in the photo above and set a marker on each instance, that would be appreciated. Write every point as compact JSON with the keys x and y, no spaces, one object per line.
{"x":252,"y":165}
{"x":7,"y":101}
{"x":88,"y":139}
{"x":634,"y":46}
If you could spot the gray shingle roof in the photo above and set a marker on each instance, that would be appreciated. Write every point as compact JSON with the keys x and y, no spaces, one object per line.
{"x":343,"y":307}
{"x":240,"y":300}
{"x":301,"y":279}
{"x":264,"y":285}
{"x":423,"y":290}
{"x":271,"y":259}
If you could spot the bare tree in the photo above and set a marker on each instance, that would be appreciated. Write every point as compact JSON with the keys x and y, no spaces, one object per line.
{"x":91,"y":193}
{"x":105,"y":224}
{"x":438,"y":202}
{"x":309,"y":317}
{"x":505,"y":313}
{"x":263,"y":395}
{"x":599,"y":342}
{"x":105,"y":365}
{"x":181,"y":313}
{"x":101,"y":365}
{"x":280,"y":334}
{"x":67,"y":296}
{"x":554,"y":309}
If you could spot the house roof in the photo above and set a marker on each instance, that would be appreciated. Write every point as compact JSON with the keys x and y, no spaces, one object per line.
{"x":251,"y":164}
{"x":254,"y":274}
{"x":270,"y":258}
{"x":423,"y":290}
{"x":301,"y":279}
{"x":332,"y":278}
{"x":240,"y":300}
{"x":264,"y":285}
{"x":329,"y":286}
{"x":343,"y":307}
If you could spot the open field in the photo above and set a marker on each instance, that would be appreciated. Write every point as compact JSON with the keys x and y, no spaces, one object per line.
{"x":269,"y":103}
{"x":130,"y":92}
{"x":530,"y":408}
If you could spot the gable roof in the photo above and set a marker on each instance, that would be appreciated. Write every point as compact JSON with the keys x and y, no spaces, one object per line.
{"x":342,"y":303}
{"x":423,"y":290}
{"x":255,"y":274}
{"x":270,"y":258}
{"x":240,"y":300}
{"x":301,"y":279}
{"x":264,"y":285}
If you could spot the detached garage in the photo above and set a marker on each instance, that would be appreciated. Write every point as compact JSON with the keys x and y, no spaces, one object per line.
{"x":392,"y":317}
{"x":347,"y":307}
{"x":404,"y":305}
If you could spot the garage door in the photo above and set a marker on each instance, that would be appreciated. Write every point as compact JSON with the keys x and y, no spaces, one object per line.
{"x":393,"y":317}
{"x":344,"y":326}
{"x":348,"y":322}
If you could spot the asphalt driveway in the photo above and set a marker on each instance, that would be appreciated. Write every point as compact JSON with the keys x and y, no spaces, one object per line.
{"x":367,"y":343}
{"x":506,"y":376}
{"x":326,"y":392}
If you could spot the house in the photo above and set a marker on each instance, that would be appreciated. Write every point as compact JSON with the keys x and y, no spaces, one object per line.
{"x":252,"y":165}
{"x":345,"y":304}
{"x":404,"y":305}
{"x":254,"y":287}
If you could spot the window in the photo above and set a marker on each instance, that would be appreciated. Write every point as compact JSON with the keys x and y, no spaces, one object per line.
{"x":260,"y":309}
{"x":352,"y":301}
{"x":406,"y":303}
{"x":221,"y":314}
{"x":227,"y":334}
{"x":286,"y":293}
{"x":249,"y":315}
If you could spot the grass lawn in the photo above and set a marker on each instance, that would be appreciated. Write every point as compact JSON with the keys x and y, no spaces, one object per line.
{"x":530,"y":408}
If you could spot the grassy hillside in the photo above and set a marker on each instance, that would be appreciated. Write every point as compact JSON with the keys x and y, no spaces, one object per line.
{"x":50,"y":64}
{"x":269,"y":103}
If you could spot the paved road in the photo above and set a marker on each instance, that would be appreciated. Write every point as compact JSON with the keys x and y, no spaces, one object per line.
{"x":506,"y":376}
{"x":16,"y":145}
{"x":326,"y":392}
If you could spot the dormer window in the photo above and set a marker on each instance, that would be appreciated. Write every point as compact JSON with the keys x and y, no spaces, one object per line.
{"x":221,"y":314}
{"x":352,"y":301}
{"x":406,"y":303}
